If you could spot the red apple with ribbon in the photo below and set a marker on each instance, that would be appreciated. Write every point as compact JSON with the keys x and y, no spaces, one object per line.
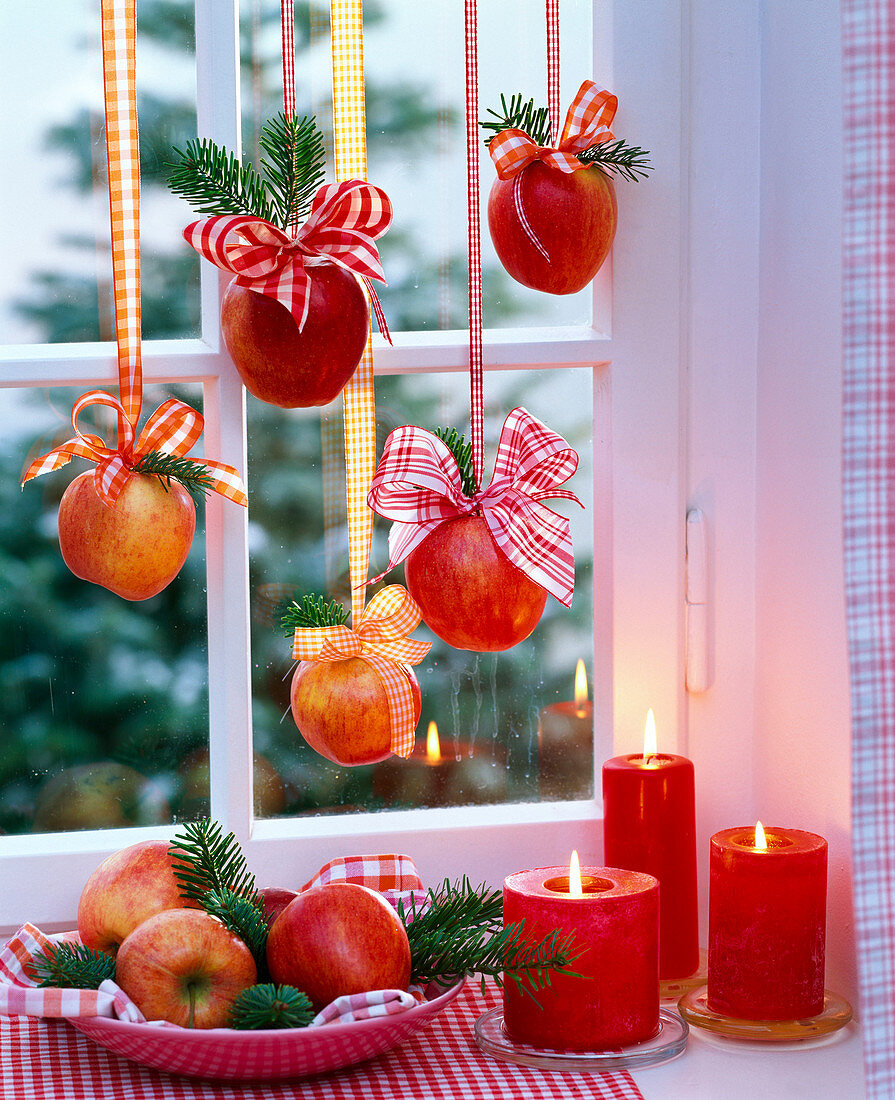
{"x":295,"y":318}
{"x":479,"y":566}
{"x":552,"y":211}
{"x":355,"y":698}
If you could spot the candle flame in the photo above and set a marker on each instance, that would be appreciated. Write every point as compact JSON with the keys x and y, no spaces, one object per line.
{"x":650,"y":744}
{"x":580,"y":688}
{"x":575,"y":876}
{"x":761,"y":842}
{"x":433,"y":746}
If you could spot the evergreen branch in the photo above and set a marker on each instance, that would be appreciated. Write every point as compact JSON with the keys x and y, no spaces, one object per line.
{"x":462,"y":452}
{"x":193,"y":476}
{"x":244,"y":916}
{"x":212,"y":181}
{"x":534,"y":121}
{"x":312,"y":612}
{"x":530,"y":965}
{"x":72,"y":966}
{"x":629,"y":161}
{"x":270,"y":1006}
{"x":294,"y":165}
{"x":204,"y":861}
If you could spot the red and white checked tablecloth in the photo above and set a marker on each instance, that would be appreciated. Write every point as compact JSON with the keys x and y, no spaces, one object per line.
{"x":869,"y":507}
{"x":50,"y":1060}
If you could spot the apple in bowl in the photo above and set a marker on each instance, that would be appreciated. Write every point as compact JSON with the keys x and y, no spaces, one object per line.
{"x":341,"y":709}
{"x":469,"y":592}
{"x":292,"y":368}
{"x":127,"y":889}
{"x":339,"y":939}
{"x":184,"y":966}
{"x":136,"y":546}
{"x":573,"y":216}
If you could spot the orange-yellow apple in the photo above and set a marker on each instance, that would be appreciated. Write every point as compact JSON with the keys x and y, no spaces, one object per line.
{"x":573,"y":215}
{"x":135,"y":547}
{"x":292,"y":369}
{"x":186,"y":967}
{"x":469,"y":592}
{"x":341,"y":709}
{"x":338,"y":939}
{"x":126,"y":889}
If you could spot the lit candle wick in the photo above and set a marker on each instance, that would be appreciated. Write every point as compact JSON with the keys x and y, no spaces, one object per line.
{"x":575,"y":889}
{"x":650,"y":744}
{"x":433,"y":746}
{"x":580,"y":689}
{"x":761,"y":841}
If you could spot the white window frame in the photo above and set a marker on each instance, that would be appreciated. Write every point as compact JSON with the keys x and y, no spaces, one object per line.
{"x":635,"y":348}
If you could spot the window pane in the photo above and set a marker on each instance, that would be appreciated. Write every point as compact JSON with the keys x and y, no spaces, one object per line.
{"x":56,"y":276}
{"x":415,"y":96}
{"x":103,"y":702}
{"x":487,"y":707}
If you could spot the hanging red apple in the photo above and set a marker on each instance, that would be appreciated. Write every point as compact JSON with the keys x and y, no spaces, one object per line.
{"x":295,"y":319}
{"x":355,"y":698}
{"x":134,"y":547}
{"x":479,"y":563}
{"x":552,"y":211}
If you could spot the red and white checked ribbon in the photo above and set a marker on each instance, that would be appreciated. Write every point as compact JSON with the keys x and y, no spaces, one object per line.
{"x":417,"y":484}
{"x":174,"y":427}
{"x":393,"y":876}
{"x":345,"y":219}
{"x":474,"y":243}
{"x":380,"y":638}
{"x":587,"y":124}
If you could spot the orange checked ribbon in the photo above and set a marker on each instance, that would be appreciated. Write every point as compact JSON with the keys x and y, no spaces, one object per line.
{"x":587,"y":123}
{"x":174,"y":427}
{"x":380,"y":639}
{"x":345,"y":219}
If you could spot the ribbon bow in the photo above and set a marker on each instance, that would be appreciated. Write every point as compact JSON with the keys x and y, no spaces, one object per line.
{"x":174,"y":427}
{"x":380,"y":639}
{"x":587,"y":123}
{"x":345,"y":220}
{"x":417,"y":484}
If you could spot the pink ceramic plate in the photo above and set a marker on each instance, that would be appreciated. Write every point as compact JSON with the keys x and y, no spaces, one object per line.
{"x":226,"y":1055}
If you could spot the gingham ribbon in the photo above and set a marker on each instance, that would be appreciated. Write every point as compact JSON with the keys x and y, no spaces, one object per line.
{"x":380,"y":639}
{"x":174,"y":427}
{"x":587,"y":123}
{"x":345,"y":219}
{"x":393,"y":876}
{"x":417,"y":484}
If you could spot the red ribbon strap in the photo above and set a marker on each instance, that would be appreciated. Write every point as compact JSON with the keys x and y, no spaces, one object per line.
{"x":417,"y":484}
{"x":587,"y":123}
{"x":174,"y":427}
{"x":345,"y":220}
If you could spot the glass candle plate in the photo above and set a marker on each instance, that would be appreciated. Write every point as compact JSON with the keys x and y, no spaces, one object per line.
{"x":837,"y":1012}
{"x":668,"y":1042}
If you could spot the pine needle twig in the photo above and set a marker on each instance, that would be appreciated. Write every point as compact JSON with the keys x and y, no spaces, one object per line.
{"x":629,"y":161}
{"x":312,"y":611}
{"x":244,"y":916}
{"x":205,"y":860}
{"x":517,"y":115}
{"x":462,"y":452}
{"x":72,"y":966}
{"x":294,"y":165}
{"x":270,"y":1006}
{"x":194,"y":476}
{"x":213,"y":181}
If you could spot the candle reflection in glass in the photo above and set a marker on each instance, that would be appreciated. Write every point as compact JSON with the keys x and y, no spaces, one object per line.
{"x":565,"y":744}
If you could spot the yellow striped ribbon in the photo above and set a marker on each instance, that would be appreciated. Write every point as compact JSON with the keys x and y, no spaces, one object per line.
{"x":350,"y":147}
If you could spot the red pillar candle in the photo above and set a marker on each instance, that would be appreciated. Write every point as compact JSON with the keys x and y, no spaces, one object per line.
{"x":767,"y":923}
{"x":616,"y":925}
{"x":649,"y":825}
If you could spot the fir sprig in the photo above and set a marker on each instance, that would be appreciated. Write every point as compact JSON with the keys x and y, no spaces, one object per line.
{"x":205,"y":861}
{"x":294,"y":165}
{"x":270,"y":1006}
{"x":72,"y":966}
{"x":517,"y":115}
{"x":244,"y":916}
{"x":458,"y":930}
{"x":213,"y":181}
{"x":313,"y":611}
{"x":462,"y":452}
{"x":629,"y":161}
{"x":193,"y":476}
